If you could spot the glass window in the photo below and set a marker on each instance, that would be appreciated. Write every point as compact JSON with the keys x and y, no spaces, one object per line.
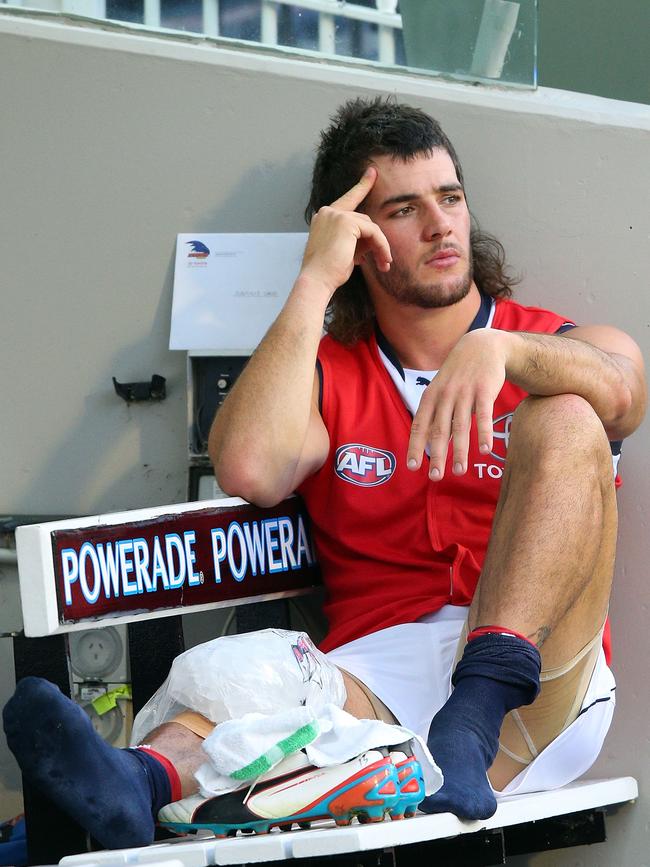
{"x":477,"y":40}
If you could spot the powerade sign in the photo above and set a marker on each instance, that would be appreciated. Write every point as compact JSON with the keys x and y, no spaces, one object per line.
{"x":183,"y":560}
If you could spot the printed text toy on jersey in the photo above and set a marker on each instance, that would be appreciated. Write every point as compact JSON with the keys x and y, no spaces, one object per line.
{"x":364,"y":465}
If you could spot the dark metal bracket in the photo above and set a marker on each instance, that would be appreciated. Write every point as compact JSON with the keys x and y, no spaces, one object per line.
{"x":135,"y":392}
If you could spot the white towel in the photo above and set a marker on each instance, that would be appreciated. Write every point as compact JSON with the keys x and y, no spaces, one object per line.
{"x":343,"y":737}
{"x":243,"y":749}
{"x":247,"y":747}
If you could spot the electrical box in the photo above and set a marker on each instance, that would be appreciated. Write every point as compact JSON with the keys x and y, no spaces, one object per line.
{"x":101,"y":685}
{"x":210,"y":380}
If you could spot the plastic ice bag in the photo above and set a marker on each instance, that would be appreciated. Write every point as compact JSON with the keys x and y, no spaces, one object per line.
{"x":266,"y":672}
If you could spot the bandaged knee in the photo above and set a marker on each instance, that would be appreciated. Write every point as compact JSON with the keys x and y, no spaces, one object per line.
{"x":263,"y":672}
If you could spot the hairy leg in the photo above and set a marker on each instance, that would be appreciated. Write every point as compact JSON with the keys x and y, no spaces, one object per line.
{"x":182,"y":746}
{"x":547,"y":575}
{"x":357,"y":702}
{"x":549,"y":565}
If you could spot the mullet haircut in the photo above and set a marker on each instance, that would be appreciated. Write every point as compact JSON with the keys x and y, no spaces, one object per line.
{"x":361,"y":130}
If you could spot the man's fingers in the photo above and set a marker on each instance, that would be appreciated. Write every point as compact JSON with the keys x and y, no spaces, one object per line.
{"x":431,"y":426}
{"x":468,"y":384}
{"x":438,"y":438}
{"x":351,"y":200}
{"x":419,"y":432}
{"x":372,"y":241}
{"x":484,"y":424}
{"x":440,"y":420}
{"x":460,"y":428}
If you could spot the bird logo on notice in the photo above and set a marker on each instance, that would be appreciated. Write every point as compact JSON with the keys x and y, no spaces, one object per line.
{"x":198,"y":251}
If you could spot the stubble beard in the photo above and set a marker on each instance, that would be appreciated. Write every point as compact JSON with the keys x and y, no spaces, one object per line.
{"x":398,"y":284}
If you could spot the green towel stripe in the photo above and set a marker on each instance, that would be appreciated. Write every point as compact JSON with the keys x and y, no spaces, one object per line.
{"x":296,"y":741}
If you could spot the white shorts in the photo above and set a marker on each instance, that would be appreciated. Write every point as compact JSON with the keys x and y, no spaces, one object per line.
{"x":409,"y":668}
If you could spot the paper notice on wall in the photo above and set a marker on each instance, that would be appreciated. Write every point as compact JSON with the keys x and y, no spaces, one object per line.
{"x":228,"y":288}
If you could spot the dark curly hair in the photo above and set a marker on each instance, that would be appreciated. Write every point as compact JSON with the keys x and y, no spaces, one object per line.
{"x":360,"y":130}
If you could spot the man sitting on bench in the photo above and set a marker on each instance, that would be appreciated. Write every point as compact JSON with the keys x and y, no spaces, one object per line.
{"x":446,"y":563}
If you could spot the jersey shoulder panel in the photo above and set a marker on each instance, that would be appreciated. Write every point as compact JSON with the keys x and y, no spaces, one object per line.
{"x":512,"y":316}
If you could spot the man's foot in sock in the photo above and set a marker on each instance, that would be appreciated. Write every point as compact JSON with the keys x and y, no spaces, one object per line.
{"x":466,"y":791}
{"x":497,"y":672}
{"x":112,"y":793}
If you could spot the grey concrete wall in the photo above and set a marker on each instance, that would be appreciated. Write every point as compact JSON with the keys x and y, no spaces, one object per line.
{"x":111,"y":143}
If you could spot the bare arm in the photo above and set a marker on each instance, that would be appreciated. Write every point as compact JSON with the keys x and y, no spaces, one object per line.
{"x":268,"y":436}
{"x":599,"y":363}
{"x":259,"y":443}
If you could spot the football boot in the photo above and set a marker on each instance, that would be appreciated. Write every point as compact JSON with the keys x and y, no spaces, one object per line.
{"x":295,"y":791}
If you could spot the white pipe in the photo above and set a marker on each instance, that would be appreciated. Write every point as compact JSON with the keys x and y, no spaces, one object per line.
{"x":326,"y":34}
{"x":269,"y":23}
{"x":152,"y":13}
{"x":386,"y":36}
{"x":211,"y":17}
{"x":498,"y":23}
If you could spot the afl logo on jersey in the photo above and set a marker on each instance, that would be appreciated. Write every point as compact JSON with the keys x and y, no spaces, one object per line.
{"x":501,"y":434}
{"x":364,"y":465}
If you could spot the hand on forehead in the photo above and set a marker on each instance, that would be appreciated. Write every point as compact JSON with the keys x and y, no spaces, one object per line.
{"x":351,"y":200}
{"x":366,"y":189}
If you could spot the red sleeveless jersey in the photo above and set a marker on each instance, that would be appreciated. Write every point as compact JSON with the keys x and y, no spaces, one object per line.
{"x":393,"y":545}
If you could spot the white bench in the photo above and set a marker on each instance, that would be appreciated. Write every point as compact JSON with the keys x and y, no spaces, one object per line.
{"x":133,"y":567}
{"x":326,"y":840}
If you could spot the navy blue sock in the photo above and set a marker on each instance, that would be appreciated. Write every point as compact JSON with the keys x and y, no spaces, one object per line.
{"x":496,"y":674}
{"x":114,"y":794}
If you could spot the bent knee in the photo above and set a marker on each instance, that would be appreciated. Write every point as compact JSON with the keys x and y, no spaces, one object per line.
{"x":565,"y":406}
{"x":561,"y":424}
{"x":548,"y":416}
